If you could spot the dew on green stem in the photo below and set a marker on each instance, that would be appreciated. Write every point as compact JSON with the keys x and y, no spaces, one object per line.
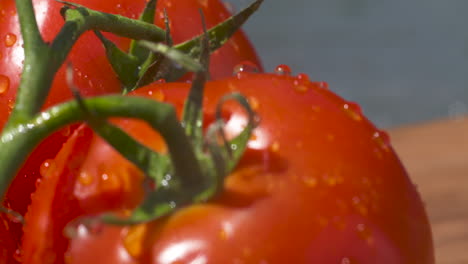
{"x":283,"y":69}
{"x":4,"y":84}
{"x":10,"y":39}
{"x":172,"y":204}
{"x":353,"y":110}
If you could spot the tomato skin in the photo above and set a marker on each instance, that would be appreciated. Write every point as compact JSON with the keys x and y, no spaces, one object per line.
{"x":317,"y":184}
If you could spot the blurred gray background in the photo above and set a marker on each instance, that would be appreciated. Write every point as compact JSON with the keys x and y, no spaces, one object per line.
{"x":403,"y":61}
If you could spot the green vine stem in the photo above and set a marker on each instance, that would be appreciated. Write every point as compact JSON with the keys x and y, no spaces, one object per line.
{"x":16,"y":143}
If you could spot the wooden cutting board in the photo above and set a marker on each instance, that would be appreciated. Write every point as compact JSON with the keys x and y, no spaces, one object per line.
{"x":436,"y":157}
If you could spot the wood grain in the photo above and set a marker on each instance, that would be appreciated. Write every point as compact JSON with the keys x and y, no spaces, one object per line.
{"x":436,"y":157}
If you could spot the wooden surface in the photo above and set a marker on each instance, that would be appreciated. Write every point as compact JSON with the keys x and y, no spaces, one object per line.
{"x":436,"y":157}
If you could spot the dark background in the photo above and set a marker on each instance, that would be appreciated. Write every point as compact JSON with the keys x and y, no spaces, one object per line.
{"x":403,"y":61}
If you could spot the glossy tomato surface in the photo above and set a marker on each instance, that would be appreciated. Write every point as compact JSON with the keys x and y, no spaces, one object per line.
{"x":317,"y":184}
{"x":93,"y":74}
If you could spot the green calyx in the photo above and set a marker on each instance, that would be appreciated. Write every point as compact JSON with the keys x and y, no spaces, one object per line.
{"x":197,"y":162}
{"x":139,"y":67}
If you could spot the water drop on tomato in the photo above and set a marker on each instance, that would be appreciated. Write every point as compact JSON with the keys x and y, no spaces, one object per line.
{"x":283,"y":69}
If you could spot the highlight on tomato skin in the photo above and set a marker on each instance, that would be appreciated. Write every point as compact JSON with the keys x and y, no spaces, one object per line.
{"x":317,"y":184}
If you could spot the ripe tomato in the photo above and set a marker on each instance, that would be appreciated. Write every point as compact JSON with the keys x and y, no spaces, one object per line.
{"x":93,"y":74}
{"x":318,"y":183}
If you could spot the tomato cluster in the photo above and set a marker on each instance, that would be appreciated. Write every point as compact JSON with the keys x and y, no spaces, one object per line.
{"x":318,"y":183}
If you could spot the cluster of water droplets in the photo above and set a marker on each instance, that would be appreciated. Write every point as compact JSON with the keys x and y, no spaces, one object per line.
{"x":9,"y":40}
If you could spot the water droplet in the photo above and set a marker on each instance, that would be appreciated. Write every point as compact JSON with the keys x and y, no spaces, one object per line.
{"x":382,"y":139}
{"x":322,"y":221}
{"x":10,"y":39}
{"x":234,"y":45}
{"x":4,"y":84}
{"x":299,"y":144}
{"x":133,"y":240}
{"x":245,"y":67}
{"x":364,"y":233}
{"x":232,"y":87}
{"x":223,"y":235}
{"x":359,"y":206}
{"x":301,"y":88}
{"x":322,"y":85}
{"x":172,"y":204}
{"x":65,"y":131}
{"x":118,"y":6}
{"x":45,"y":166}
{"x":275,"y":146}
{"x":11,"y":104}
{"x":339,"y":222}
{"x":253,"y":101}
{"x":283,"y":69}
{"x":83,"y":226}
{"x":310,"y":181}
{"x":246,"y":252}
{"x":332,"y":180}
{"x":85,"y":178}
{"x":38,"y":182}
{"x":302,"y":77}
{"x":301,"y":83}
{"x":18,"y":255}
{"x":348,"y":260}
{"x":157,"y":95}
{"x":353,"y":110}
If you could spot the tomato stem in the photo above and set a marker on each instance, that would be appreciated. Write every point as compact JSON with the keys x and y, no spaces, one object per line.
{"x":18,"y":141}
{"x":199,"y":166}
{"x":42,"y":61}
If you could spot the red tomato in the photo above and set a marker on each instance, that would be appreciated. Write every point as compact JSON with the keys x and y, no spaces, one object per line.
{"x":318,"y":183}
{"x":93,"y":73}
